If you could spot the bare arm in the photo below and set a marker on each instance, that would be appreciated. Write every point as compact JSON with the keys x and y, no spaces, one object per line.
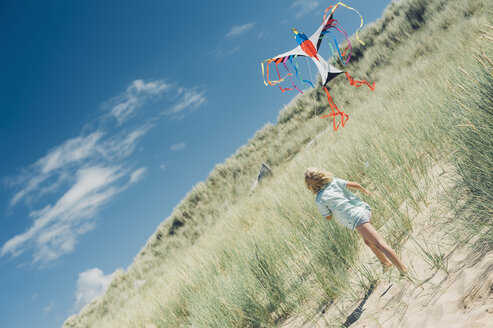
{"x":357,"y":186}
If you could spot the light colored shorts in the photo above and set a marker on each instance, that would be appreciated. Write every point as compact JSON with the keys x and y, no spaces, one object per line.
{"x":364,"y":218}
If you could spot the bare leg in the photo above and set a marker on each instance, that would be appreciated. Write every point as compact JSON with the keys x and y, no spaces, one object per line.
{"x":381,"y":256}
{"x":372,"y":236}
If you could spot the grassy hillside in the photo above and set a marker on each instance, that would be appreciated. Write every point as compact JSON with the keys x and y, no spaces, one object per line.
{"x":226,"y":259}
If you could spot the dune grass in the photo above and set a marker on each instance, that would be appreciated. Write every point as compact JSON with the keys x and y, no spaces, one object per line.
{"x":225,"y":259}
{"x":473,"y":112}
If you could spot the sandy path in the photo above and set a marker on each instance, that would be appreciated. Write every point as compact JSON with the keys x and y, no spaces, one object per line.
{"x":454,"y":292}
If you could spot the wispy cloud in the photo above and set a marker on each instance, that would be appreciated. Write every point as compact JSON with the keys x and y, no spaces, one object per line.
{"x":123,"y":105}
{"x":67,"y":187}
{"x":224,"y":47}
{"x":56,"y":227}
{"x":189,"y":98}
{"x":138,"y":175}
{"x":91,"y":284}
{"x":48,"y":308}
{"x":304,"y":6}
{"x":70,"y":152}
{"x":178,"y":146}
{"x":237,"y":30}
{"x":220,"y":52}
{"x":140,"y":93}
{"x":123,"y":143}
{"x":48,"y":173}
{"x":90,"y":167}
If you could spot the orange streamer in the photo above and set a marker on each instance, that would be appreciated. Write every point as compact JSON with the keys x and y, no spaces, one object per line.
{"x":269,"y":82}
{"x":344,"y":116}
{"x":357,"y":84}
{"x":279,"y":75}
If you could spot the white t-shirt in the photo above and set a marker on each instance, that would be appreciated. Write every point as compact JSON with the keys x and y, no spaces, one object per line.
{"x":345,"y":206}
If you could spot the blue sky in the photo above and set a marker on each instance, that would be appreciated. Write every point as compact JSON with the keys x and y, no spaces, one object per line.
{"x":110,"y":112}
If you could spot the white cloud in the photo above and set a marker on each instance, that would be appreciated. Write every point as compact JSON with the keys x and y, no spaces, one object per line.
{"x":178,"y":146}
{"x":66,"y":188}
{"x":84,"y":164}
{"x":91,"y":284}
{"x":48,"y":173}
{"x":48,"y":308}
{"x":162,"y":166}
{"x":56,"y":228}
{"x":220,"y":52}
{"x":237,"y":30}
{"x":71,"y":151}
{"x":304,"y":6}
{"x":126,"y":103}
{"x":188,"y":98}
{"x":123,"y":144}
{"x":234,"y":32}
{"x":138,"y":175}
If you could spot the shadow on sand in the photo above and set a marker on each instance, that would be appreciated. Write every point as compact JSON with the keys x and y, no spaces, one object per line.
{"x":356,"y":314}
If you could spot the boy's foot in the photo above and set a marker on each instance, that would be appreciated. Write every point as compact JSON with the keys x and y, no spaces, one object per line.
{"x":386,"y":266}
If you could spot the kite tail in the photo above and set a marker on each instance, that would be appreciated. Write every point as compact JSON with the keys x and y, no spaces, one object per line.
{"x":294,"y":86}
{"x":348,"y":46}
{"x":266,"y":75}
{"x":263,"y":70}
{"x":334,"y":7}
{"x":357,"y":84}
{"x":334,"y":55}
{"x":337,"y":47}
{"x":344,"y":116}
{"x":298,"y":73}
{"x":279,"y":75}
{"x":343,"y":32}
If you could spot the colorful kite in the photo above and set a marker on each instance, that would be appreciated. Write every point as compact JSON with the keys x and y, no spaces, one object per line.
{"x":308,"y":47}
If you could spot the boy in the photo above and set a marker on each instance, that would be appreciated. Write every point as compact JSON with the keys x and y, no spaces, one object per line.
{"x":334,"y":198}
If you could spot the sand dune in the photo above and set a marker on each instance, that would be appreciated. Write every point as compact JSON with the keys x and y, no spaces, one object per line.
{"x":463,"y":298}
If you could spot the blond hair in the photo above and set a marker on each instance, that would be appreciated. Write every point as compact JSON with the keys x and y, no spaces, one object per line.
{"x":316,"y":179}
